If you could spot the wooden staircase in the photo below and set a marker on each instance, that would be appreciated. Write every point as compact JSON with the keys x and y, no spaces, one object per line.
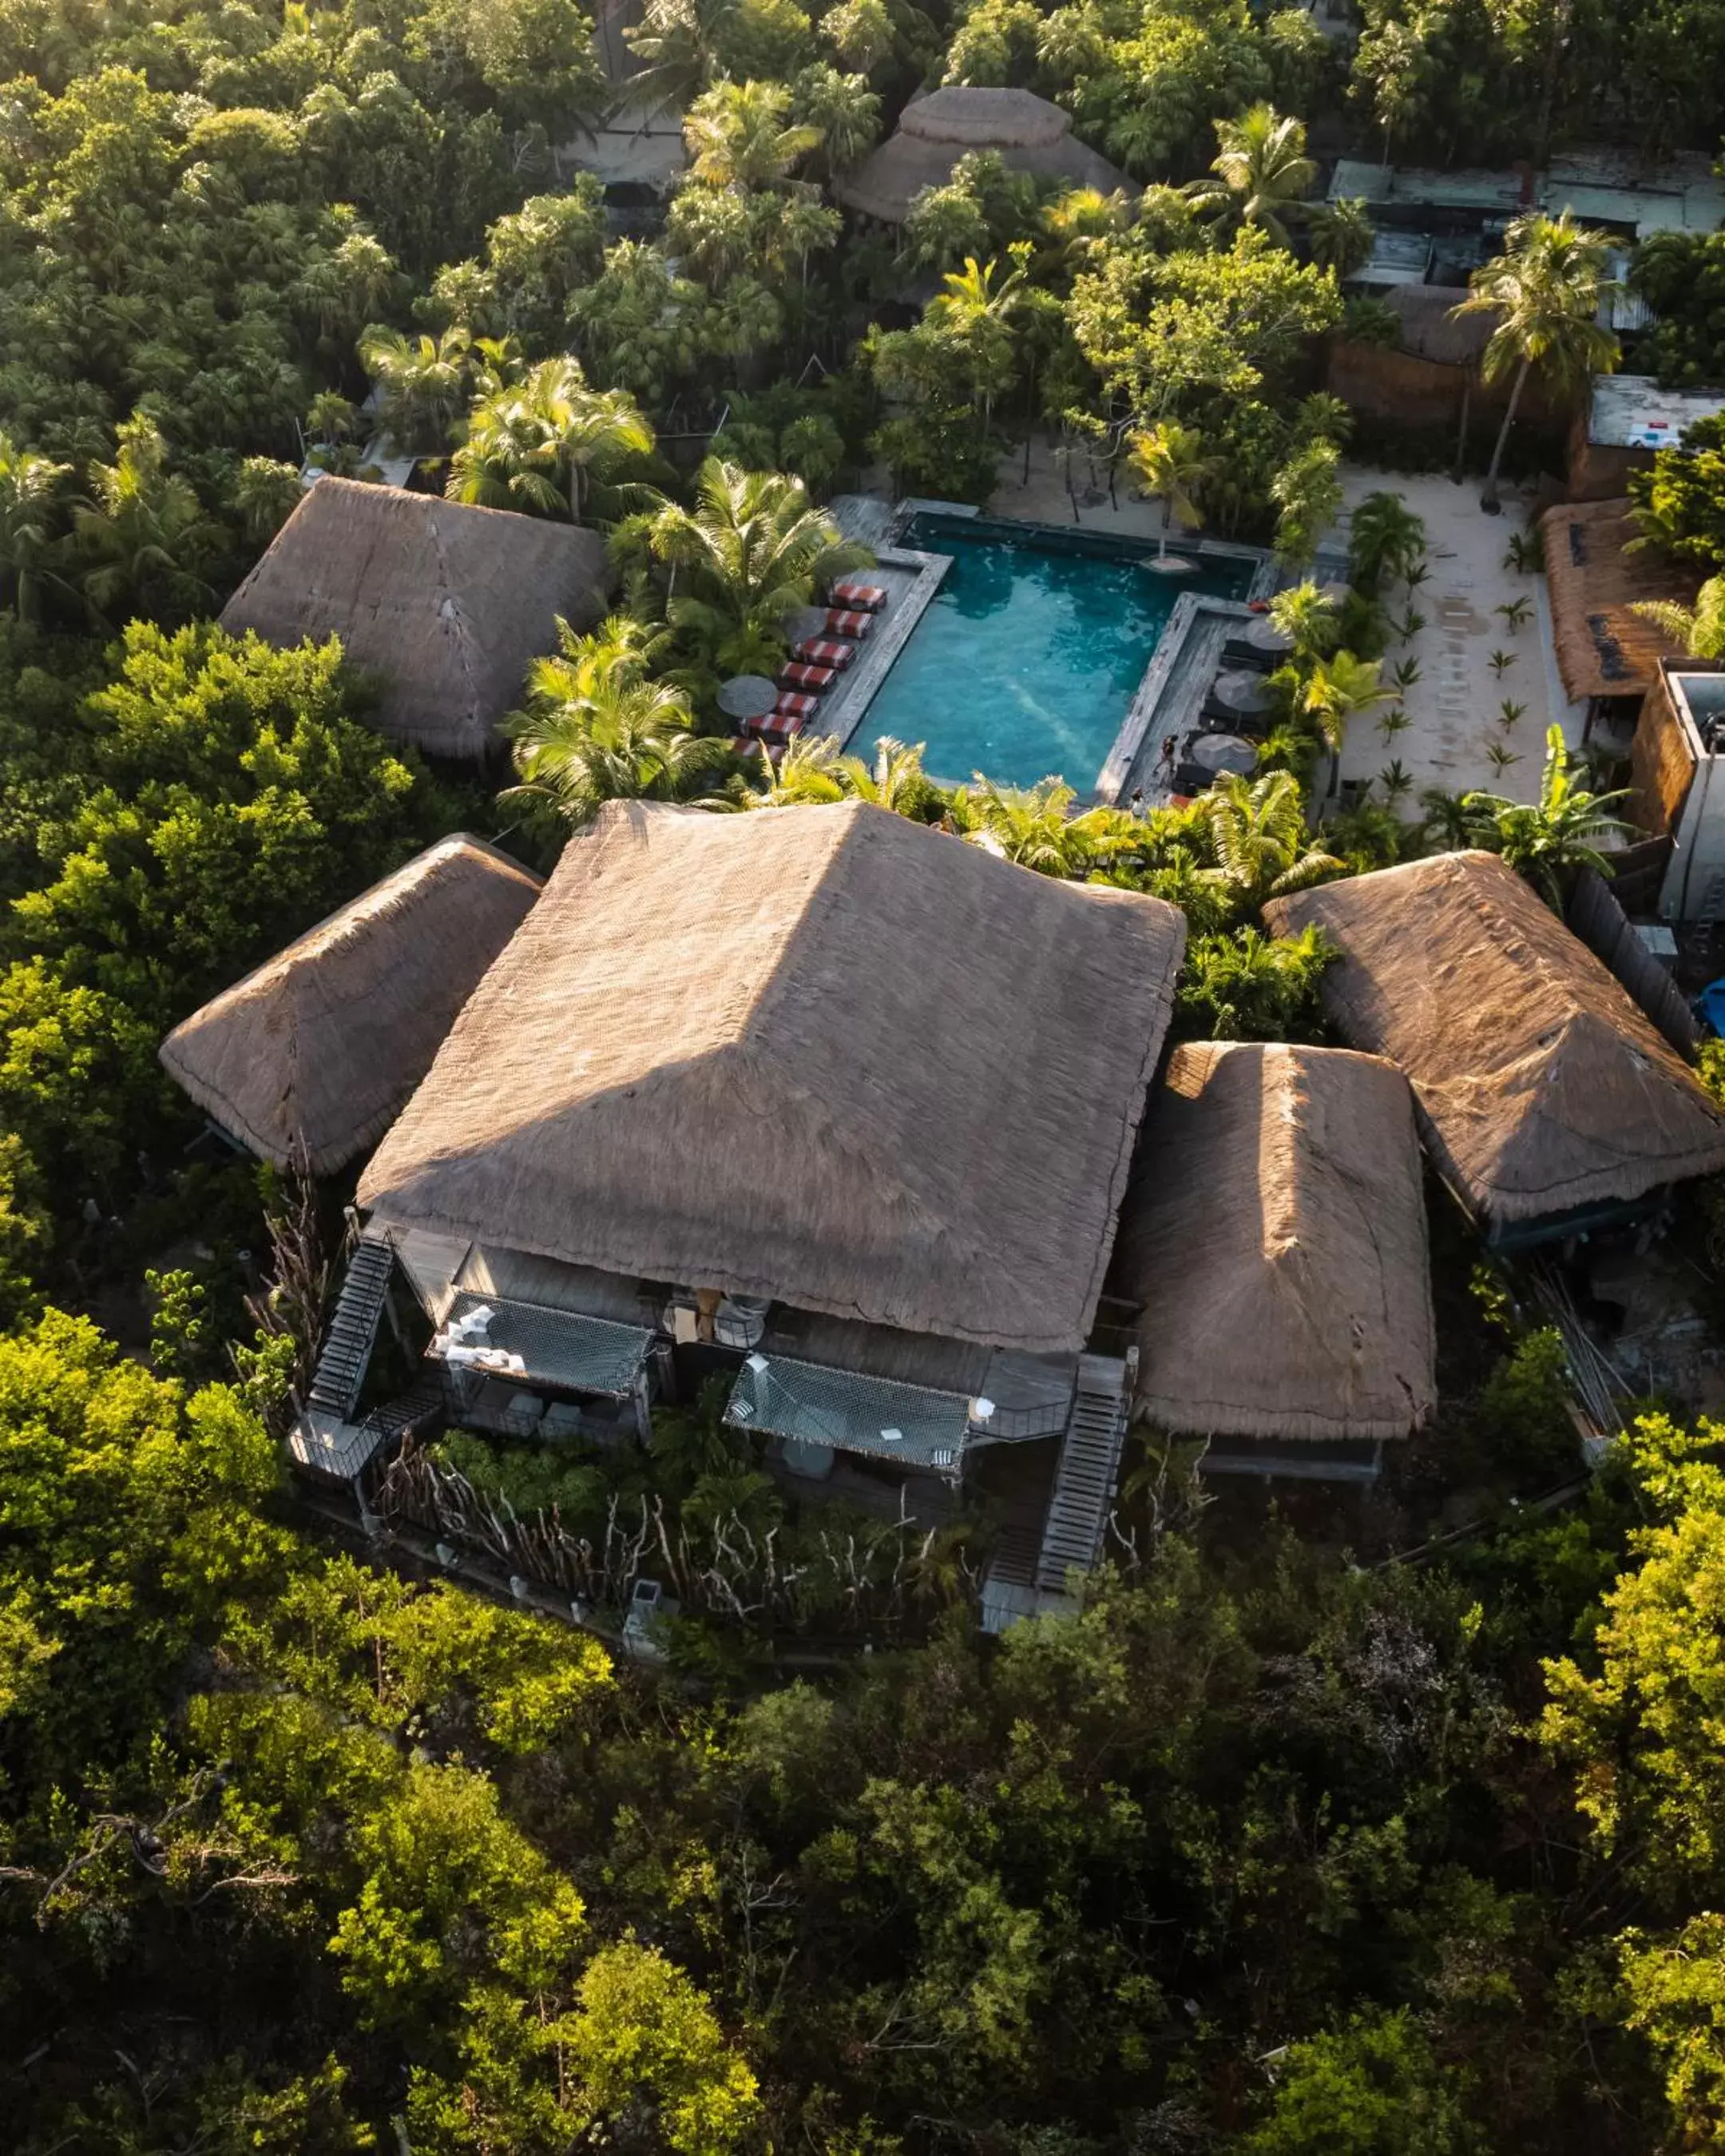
{"x":1084,"y":1478}
{"x":353,"y":1329}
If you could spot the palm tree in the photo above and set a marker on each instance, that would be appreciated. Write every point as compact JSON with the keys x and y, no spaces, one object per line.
{"x":1700,"y":628}
{"x":1168,"y":460}
{"x":30,"y":509}
{"x":535,"y":445}
{"x":265,"y":493}
{"x":844,"y":112}
{"x":1385,"y":538}
{"x":1033,"y":826}
{"x":753,"y":547}
{"x":1259,"y":172}
{"x":1342,"y":237}
{"x":1446,"y":818}
{"x":1258,"y":830}
{"x":1545,"y":288}
{"x":679,"y":40}
{"x":627,"y":739}
{"x":1306,"y":615}
{"x":1549,"y":840}
{"x":895,"y":780}
{"x":423,"y":383}
{"x":809,"y":774}
{"x":1339,"y":689}
{"x":1308,"y":492}
{"x":972,"y":313}
{"x":738,"y":135}
{"x":141,"y":529}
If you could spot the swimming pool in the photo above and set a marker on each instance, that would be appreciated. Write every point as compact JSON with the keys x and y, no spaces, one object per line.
{"x":1027,"y":660}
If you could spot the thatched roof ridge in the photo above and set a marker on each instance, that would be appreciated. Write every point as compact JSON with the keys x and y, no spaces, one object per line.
{"x":934,"y":132}
{"x":1540,"y":1085}
{"x":1604,"y":646}
{"x":314,"y":1053}
{"x":821,"y":1055}
{"x":1274,"y":1235}
{"x":447,"y":604}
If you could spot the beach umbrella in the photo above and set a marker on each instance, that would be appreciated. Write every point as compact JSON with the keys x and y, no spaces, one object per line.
{"x":1241,"y":690}
{"x":747,"y":696}
{"x":1221,"y":752}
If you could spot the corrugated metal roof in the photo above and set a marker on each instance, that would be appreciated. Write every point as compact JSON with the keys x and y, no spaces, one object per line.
{"x":1632,"y":412}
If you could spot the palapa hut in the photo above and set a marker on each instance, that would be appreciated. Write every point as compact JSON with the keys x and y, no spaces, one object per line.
{"x":446,"y":604}
{"x":1608,"y":654}
{"x":935,"y":131}
{"x":1547,"y":1101}
{"x":310,"y":1058}
{"x":839,"y":1105}
{"x":1273,"y":1242}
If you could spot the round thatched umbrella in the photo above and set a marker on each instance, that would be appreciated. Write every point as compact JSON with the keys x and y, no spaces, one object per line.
{"x":1221,"y":752}
{"x":802,"y":623}
{"x":1262,"y":635}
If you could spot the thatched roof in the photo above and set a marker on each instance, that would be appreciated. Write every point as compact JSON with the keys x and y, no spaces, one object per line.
{"x":1604,"y":646}
{"x":447,"y":604}
{"x":1432,"y":329}
{"x":934,"y":132}
{"x":1540,"y":1085}
{"x":820,"y":1054}
{"x":1274,"y":1235}
{"x":315,"y":1054}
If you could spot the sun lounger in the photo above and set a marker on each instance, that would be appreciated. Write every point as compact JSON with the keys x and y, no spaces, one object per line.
{"x":847,"y":622}
{"x":825,"y":651}
{"x":798,"y":675}
{"x":792,"y":705}
{"x":779,"y":726}
{"x":852,"y":592}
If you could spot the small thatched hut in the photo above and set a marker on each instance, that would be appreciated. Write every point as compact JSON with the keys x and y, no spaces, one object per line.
{"x":935,"y":131}
{"x":822,"y":1056}
{"x":446,"y":604}
{"x":311,"y":1057}
{"x":1544,"y":1095}
{"x":1605,"y":649}
{"x":1275,"y":1240}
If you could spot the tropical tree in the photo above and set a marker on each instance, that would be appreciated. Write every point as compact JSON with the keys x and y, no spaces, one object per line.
{"x":623,"y":739}
{"x":263,"y":492}
{"x":1549,"y":840}
{"x":679,"y":41}
{"x":31,"y":524}
{"x":1700,"y":628}
{"x":1545,"y":289}
{"x":973,"y":315}
{"x":1339,"y":689}
{"x":752,"y":548}
{"x":1447,"y":818}
{"x":895,"y":780}
{"x":1385,"y":538}
{"x":1259,"y":832}
{"x":843,"y":110}
{"x":423,"y":384}
{"x":740,"y":135}
{"x":1035,"y":827}
{"x":538,"y":445}
{"x":808,"y":773}
{"x":1259,"y":172}
{"x":1308,"y":493}
{"x":1308,"y":617}
{"x":1248,"y":986}
{"x":1342,"y":237}
{"x":1169,"y":460}
{"x":141,"y":531}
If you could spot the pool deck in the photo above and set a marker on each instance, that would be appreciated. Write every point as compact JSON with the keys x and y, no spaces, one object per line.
{"x":910,"y":579}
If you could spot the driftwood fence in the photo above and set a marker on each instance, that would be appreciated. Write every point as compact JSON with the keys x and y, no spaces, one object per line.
{"x":1596,"y":915}
{"x":891,"y":1578}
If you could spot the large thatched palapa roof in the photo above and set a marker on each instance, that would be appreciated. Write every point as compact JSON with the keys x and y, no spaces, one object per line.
{"x":447,"y":604}
{"x":934,"y":132}
{"x":1274,"y":1233}
{"x":312,"y":1056}
{"x":820,"y":1054}
{"x":1604,"y":646}
{"x":1540,"y":1085}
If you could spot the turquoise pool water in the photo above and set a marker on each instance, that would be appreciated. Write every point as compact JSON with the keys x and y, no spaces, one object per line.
{"x":1027,"y":661}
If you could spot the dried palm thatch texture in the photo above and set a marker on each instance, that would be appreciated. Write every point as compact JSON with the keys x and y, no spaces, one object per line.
{"x":446,"y":604}
{"x":821,"y":1055}
{"x":1540,"y":1085}
{"x":313,"y":1055}
{"x":1033,"y":136}
{"x":1604,"y":646}
{"x":1274,"y":1233}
